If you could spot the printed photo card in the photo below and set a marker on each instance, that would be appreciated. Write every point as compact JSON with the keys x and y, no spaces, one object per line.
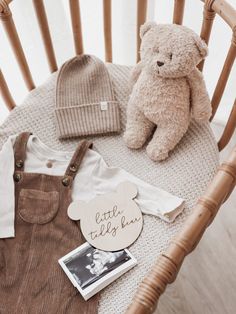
{"x":90,"y":269}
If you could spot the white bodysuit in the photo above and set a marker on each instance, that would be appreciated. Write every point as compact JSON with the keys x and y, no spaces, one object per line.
{"x":94,"y":177}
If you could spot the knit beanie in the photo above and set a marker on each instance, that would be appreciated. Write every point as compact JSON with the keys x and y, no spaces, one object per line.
{"x":85,"y":101}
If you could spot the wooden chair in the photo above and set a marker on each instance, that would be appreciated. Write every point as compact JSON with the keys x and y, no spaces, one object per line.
{"x":168,"y":264}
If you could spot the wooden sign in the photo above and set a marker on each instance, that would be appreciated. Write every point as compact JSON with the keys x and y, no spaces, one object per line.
{"x":111,"y":221}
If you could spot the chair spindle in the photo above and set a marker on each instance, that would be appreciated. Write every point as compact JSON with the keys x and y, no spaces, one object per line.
{"x":141,"y":18}
{"x":178,"y":12}
{"x":220,"y":87}
{"x":6,"y":95}
{"x":107,"y":26}
{"x":45,"y":33}
{"x":229,"y":129}
{"x":10,"y":28}
{"x":76,"y":26}
{"x":207,"y":22}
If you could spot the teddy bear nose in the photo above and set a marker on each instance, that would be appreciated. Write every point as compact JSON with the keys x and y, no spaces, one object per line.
{"x":160,"y":64}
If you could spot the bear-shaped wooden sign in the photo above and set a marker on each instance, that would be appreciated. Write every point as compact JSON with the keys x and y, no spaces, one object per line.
{"x":111,"y":221}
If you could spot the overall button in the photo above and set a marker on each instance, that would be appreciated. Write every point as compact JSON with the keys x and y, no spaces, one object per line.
{"x":19,"y":163}
{"x":49,"y":164}
{"x":66,"y":181}
{"x":17,"y":177}
{"x":73,"y":168}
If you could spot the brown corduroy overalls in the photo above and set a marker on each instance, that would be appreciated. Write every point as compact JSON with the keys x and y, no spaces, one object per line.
{"x":31,"y":280}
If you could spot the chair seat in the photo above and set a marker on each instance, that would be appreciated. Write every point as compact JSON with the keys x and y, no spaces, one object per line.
{"x":185,"y":173}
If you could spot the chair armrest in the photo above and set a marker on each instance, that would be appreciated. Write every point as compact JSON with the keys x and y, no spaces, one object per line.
{"x":168,"y":264}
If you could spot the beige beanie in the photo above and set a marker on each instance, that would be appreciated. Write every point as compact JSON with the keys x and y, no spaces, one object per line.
{"x":85,"y":101}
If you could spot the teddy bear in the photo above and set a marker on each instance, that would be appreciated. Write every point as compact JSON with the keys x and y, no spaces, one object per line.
{"x":167,"y":89}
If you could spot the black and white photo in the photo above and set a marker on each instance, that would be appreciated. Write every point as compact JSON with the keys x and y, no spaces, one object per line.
{"x":91,"y":269}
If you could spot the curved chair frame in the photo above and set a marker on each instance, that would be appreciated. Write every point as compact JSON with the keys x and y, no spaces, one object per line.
{"x":168,"y":264}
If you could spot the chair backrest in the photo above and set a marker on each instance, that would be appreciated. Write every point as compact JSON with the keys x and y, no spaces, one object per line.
{"x":210,"y":9}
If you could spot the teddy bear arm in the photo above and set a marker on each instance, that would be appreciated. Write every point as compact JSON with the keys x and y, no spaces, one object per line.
{"x":138,"y":127}
{"x":200,"y":101}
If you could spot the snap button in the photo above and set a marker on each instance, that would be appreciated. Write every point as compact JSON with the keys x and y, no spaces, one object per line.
{"x":19,"y":163}
{"x":17,"y":177}
{"x":73,"y":168}
{"x":49,"y":164}
{"x":66,"y":181}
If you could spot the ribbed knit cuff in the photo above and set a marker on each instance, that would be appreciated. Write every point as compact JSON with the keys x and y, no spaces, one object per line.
{"x":89,"y":119}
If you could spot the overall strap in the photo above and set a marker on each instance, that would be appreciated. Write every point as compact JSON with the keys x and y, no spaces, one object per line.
{"x":20,"y":150}
{"x":75,"y":162}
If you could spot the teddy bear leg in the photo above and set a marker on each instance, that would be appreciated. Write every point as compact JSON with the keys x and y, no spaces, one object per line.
{"x":138,"y":129}
{"x":164,"y":140}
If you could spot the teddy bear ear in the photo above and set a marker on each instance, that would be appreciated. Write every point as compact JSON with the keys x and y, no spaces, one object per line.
{"x":201,"y":45}
{"x":76,"y":209}
{"x":146,"y":27}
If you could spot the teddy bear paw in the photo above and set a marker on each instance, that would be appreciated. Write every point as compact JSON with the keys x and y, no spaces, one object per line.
{"x":133,"y":140}
{"x":156,"y":154}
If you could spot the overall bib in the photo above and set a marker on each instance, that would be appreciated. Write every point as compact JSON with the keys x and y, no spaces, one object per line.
{"x":31,"y":280}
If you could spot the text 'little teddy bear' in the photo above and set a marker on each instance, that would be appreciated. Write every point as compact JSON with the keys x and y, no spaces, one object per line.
{"x":111,"y":221}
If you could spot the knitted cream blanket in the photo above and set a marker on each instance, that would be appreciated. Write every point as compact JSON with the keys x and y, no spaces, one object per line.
{"x":186,"y":174}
